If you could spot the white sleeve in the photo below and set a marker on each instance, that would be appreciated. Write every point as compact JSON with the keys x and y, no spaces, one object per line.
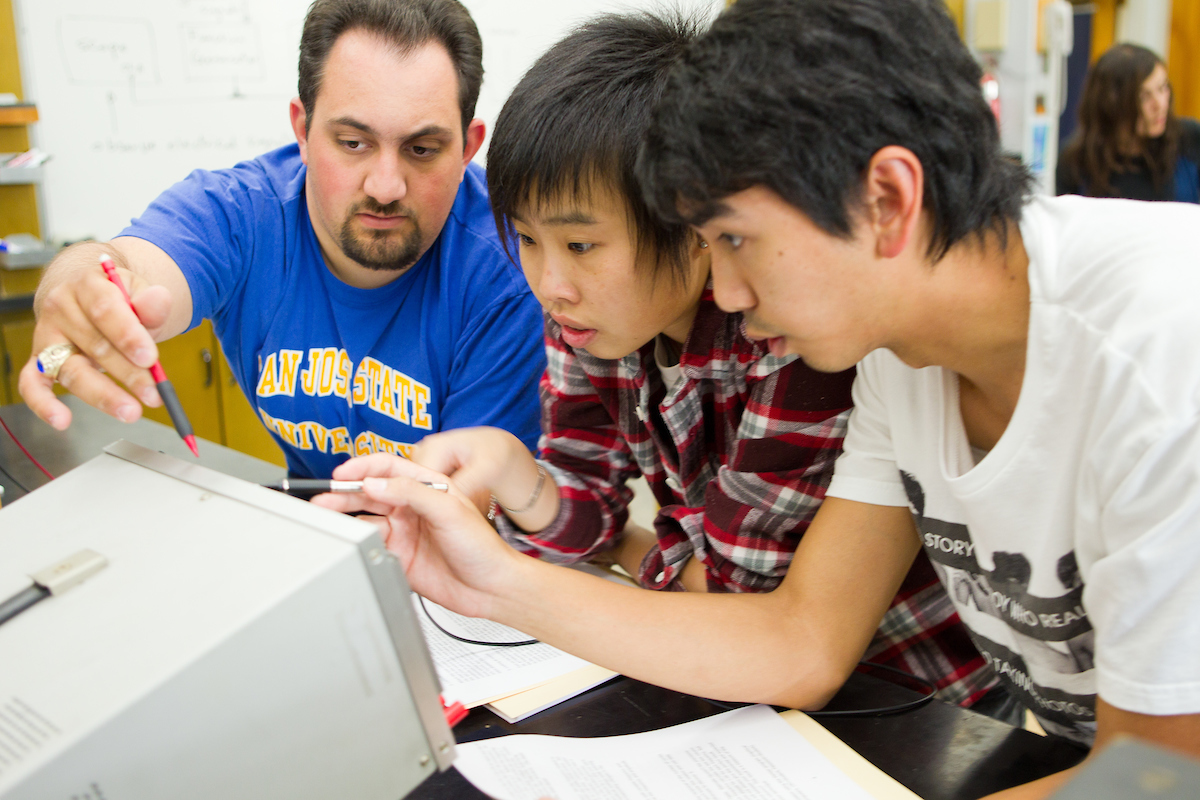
{"x":867,"y":471}
{"x":1142,"y":578}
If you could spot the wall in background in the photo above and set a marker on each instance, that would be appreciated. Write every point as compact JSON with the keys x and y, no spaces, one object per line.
{"x":18,"y":203}
{"x":134,"y":94}
{"x":1146,"y":22}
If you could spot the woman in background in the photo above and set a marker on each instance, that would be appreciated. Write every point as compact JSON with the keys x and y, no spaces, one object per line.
{"x":1129,"y":142}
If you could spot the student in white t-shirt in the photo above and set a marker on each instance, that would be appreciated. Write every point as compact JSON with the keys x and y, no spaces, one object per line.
{"x":1026,"y":407}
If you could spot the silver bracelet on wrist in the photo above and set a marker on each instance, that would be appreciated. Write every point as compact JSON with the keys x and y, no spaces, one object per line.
{"x":533,"y":497}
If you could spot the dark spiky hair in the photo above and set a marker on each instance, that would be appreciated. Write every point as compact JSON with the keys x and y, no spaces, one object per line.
{"x":798,"y":95}
{"x":573,"y":125}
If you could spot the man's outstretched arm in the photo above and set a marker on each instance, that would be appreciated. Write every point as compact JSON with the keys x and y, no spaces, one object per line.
{"x":76,"y":304}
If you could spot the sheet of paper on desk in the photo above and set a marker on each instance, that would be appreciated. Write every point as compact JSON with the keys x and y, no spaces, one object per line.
{"x":476,"y":674}
{"x":748,"y":754}
{"x":532,"y":701}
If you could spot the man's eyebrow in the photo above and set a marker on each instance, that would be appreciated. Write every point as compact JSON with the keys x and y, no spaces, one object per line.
{"x":351,"y":122}
{"x":428,"y":130}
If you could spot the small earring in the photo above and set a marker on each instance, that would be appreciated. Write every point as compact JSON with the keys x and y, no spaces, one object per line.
{"x":703,"y":245}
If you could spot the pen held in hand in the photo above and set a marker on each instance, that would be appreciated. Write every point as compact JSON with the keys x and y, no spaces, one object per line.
{"x":165,"y":390}
{"x":310,"y":487}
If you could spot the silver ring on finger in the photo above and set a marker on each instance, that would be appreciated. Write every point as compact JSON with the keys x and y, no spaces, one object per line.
{"x":51,"y":359}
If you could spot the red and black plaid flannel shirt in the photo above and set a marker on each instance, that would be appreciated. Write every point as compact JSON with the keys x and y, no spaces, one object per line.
{"x":738,"y":456}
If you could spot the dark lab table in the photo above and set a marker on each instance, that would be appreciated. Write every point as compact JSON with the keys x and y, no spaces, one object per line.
{"x":90,"y":432}
{"x":939,"y":751}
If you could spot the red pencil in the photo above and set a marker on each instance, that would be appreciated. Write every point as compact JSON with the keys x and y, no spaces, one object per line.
{"x":165,"y":390}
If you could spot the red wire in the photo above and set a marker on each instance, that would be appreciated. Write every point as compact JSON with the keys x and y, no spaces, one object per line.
{"x":45,"y":471}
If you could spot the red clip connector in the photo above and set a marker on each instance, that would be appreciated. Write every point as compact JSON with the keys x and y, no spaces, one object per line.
{"x":455,"y":713}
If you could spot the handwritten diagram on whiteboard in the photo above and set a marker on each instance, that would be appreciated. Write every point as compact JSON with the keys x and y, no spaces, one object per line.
{"x":108,"y":51}
{"x":134,"y":94}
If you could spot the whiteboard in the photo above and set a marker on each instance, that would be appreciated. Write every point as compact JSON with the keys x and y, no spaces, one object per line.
{"x":134,"y":94}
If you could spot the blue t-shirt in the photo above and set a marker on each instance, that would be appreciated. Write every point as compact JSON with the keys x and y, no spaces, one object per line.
{"x":335,"y":371}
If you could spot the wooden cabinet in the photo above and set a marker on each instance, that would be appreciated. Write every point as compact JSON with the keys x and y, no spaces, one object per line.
{"x":188,"y":361}
{"x":211,"y":397}
{"x":18,"y":214}
{"x":16,"y":328}
{"x":1181,"y":61}
{"x":244,"y":431}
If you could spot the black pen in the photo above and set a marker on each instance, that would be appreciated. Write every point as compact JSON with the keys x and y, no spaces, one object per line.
{"x":309,"y":487}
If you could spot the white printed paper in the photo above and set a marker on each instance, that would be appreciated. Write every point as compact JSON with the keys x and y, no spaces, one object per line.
{"x":476,"y":674}
{"x":747,"y":754}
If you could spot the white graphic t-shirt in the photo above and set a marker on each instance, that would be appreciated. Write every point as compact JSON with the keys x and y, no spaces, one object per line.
{"x":1072,"y":549}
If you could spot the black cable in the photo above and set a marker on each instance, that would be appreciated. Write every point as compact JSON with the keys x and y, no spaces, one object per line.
{"x":22,"y":601}
{"x":882,"y":711}
{"x":898,"y":708}
{"x":13,"y":479}
{"x":471,"y":641}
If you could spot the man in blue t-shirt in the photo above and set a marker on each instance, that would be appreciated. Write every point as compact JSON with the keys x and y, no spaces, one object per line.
{"x":355,"y":279}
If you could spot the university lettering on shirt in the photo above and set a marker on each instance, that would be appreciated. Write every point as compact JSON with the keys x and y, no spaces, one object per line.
{"x":329,"y":372}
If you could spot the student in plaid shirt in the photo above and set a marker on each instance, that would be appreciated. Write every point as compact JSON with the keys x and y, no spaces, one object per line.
{"x":647,"y":375}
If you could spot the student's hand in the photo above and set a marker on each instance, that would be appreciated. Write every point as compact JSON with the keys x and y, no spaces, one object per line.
{"x":449,"y":552}
{"x":376,"y":465}
{"x":76,"y":304}
{"x":482,"y":462}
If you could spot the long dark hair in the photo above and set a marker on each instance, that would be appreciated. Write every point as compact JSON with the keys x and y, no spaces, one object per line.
{"x":1107,"y":140}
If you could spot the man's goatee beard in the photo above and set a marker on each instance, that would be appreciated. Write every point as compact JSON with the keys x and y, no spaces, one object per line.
{"x":373,"y":250}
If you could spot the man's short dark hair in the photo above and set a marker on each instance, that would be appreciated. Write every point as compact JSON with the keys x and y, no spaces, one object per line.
{"x":405,"y":25}
{"x":798,"y":95}
{"x":574,"y":123}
